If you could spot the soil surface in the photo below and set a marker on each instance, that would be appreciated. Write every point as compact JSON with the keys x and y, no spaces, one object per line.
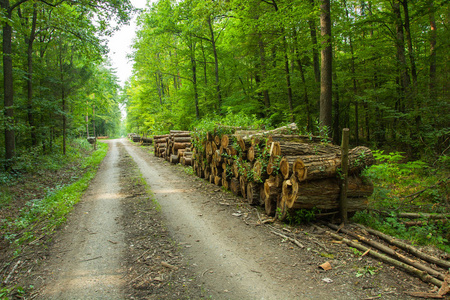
{"x":146,"y":229}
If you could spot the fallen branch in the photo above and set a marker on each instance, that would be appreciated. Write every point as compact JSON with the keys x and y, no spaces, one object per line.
{"x":289,"y":238}
{"x":391,"y":252}
{"x":12,"y":271}
{"x":409,"y":248}
{"x":89,"y":259}
{"x":169,"y":266}
{"x":414,"y":271}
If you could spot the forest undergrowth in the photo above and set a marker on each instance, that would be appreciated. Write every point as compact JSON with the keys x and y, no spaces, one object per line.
{"x":37,"y":195}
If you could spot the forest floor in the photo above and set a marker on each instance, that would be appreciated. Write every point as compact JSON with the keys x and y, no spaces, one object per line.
{"x":146,"y":229}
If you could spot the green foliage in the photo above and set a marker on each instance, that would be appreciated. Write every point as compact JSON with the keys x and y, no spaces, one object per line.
{"x":50,"y":211}
{"x":408,"y":186}
{"x":366,"y":271}
{"x":302,"y":216}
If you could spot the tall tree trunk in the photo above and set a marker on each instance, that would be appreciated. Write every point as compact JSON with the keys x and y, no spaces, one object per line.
{"x":29,"y":40}
{"x":288,"y":79}
{"x":10,"y":144}
{"x":216,"y":64}
{"x":400,"y":45}
{"x":326,"y":117}
{"x":355,"y":102}
{"x":63,"y":99}
{"x":410,"y":45}
{"x":433,"y":35}
{"x":158,"y":87}
{"x":263,"y":64}
{"x":305,"y":88}
{"x":194,"y":80}
{"x":315,"y":51}
{"x":337,"y":116}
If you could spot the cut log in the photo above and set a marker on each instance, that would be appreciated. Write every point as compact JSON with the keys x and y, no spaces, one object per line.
{"x":235,"y":186}
{"x":187,"y":161}
{"x":155,"y":137}
{"x":259,"y":173}
{"x":298,"y":149}
{"x":218,"y":180}
{"x":290,"y":164}
{"x":160,"y":140}
{"x":244,"y":144}
{"x":262,"y":196}
{"x":176,"y":146}
{"x":253,"y":193}
{"x":310,"y":139}
{"x":243,"y":186}
{"x":174,"y":159}
{"x":324,"y":194}
{"x":182,"y":139}
{"x":224,"y":141}
{"x":225,"y":183}
{"x":272,"y":189}
{"x":217,"y":140}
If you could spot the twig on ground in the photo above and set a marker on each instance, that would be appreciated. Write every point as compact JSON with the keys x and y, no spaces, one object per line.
{"x":12,"y":271}
{"x":289,"y":239}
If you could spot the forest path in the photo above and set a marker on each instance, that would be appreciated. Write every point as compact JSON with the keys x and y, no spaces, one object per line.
{"x":85,"y":260}
{"x":219,"y":249}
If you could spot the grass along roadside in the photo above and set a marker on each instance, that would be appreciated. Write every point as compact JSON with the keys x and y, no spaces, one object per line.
{"x":36,"y":204}
{"x":41,"y":216}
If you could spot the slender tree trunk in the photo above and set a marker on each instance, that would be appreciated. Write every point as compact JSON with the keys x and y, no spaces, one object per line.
{"x":194,"y":80}
{"x":410,"y":45}
{"x":336,"y":120}
{"x":63,"y":98}
{"x":216,"y":64}
{"x":400,"y":44}
{"x":315,"y":51}
{"x":355,"y":102}
{"x":263,"y":64}
{"x":288,"y":79}
{"x":29,"y":41}
{"x":305,"y":88}
{"x":326,"y":117}
{"x":8,"y":93}
{"x":433,"y":35}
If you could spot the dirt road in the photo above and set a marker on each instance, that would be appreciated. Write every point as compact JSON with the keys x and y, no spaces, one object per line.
{"x":212,"y":236}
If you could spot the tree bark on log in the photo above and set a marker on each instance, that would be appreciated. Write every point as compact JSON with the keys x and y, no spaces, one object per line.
{"x":324,"y":194}
{"x":243,"y":186}
{"x":272,"y":189}
{"x":298,"y":149}
{"x":253,"y":193}
{"x":309,"y":139}
{"x":173,"y":159}
{"x":235,"y":186}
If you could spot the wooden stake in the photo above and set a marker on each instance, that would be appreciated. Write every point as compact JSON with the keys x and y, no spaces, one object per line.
{"x":343,"y":203}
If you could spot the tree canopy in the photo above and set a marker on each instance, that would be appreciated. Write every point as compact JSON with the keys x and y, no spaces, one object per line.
{"x":389,"y":83}
{"x":54,"y":71}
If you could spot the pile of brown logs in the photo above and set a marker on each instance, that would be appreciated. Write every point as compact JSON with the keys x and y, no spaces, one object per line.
{"x":136,"y":138}
{"x":174,"y":147}
{"x":281,"y":170}
{"x":146,"y":141}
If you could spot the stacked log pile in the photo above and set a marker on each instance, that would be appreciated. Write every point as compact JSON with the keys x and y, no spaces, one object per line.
{"x":146,"y":141}
{"x":174,"y":147}
{"x":281,"y":170}
{"x":136,"y":138}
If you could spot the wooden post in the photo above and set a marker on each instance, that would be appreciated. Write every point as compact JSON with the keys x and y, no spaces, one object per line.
{"x":343,"y":203}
